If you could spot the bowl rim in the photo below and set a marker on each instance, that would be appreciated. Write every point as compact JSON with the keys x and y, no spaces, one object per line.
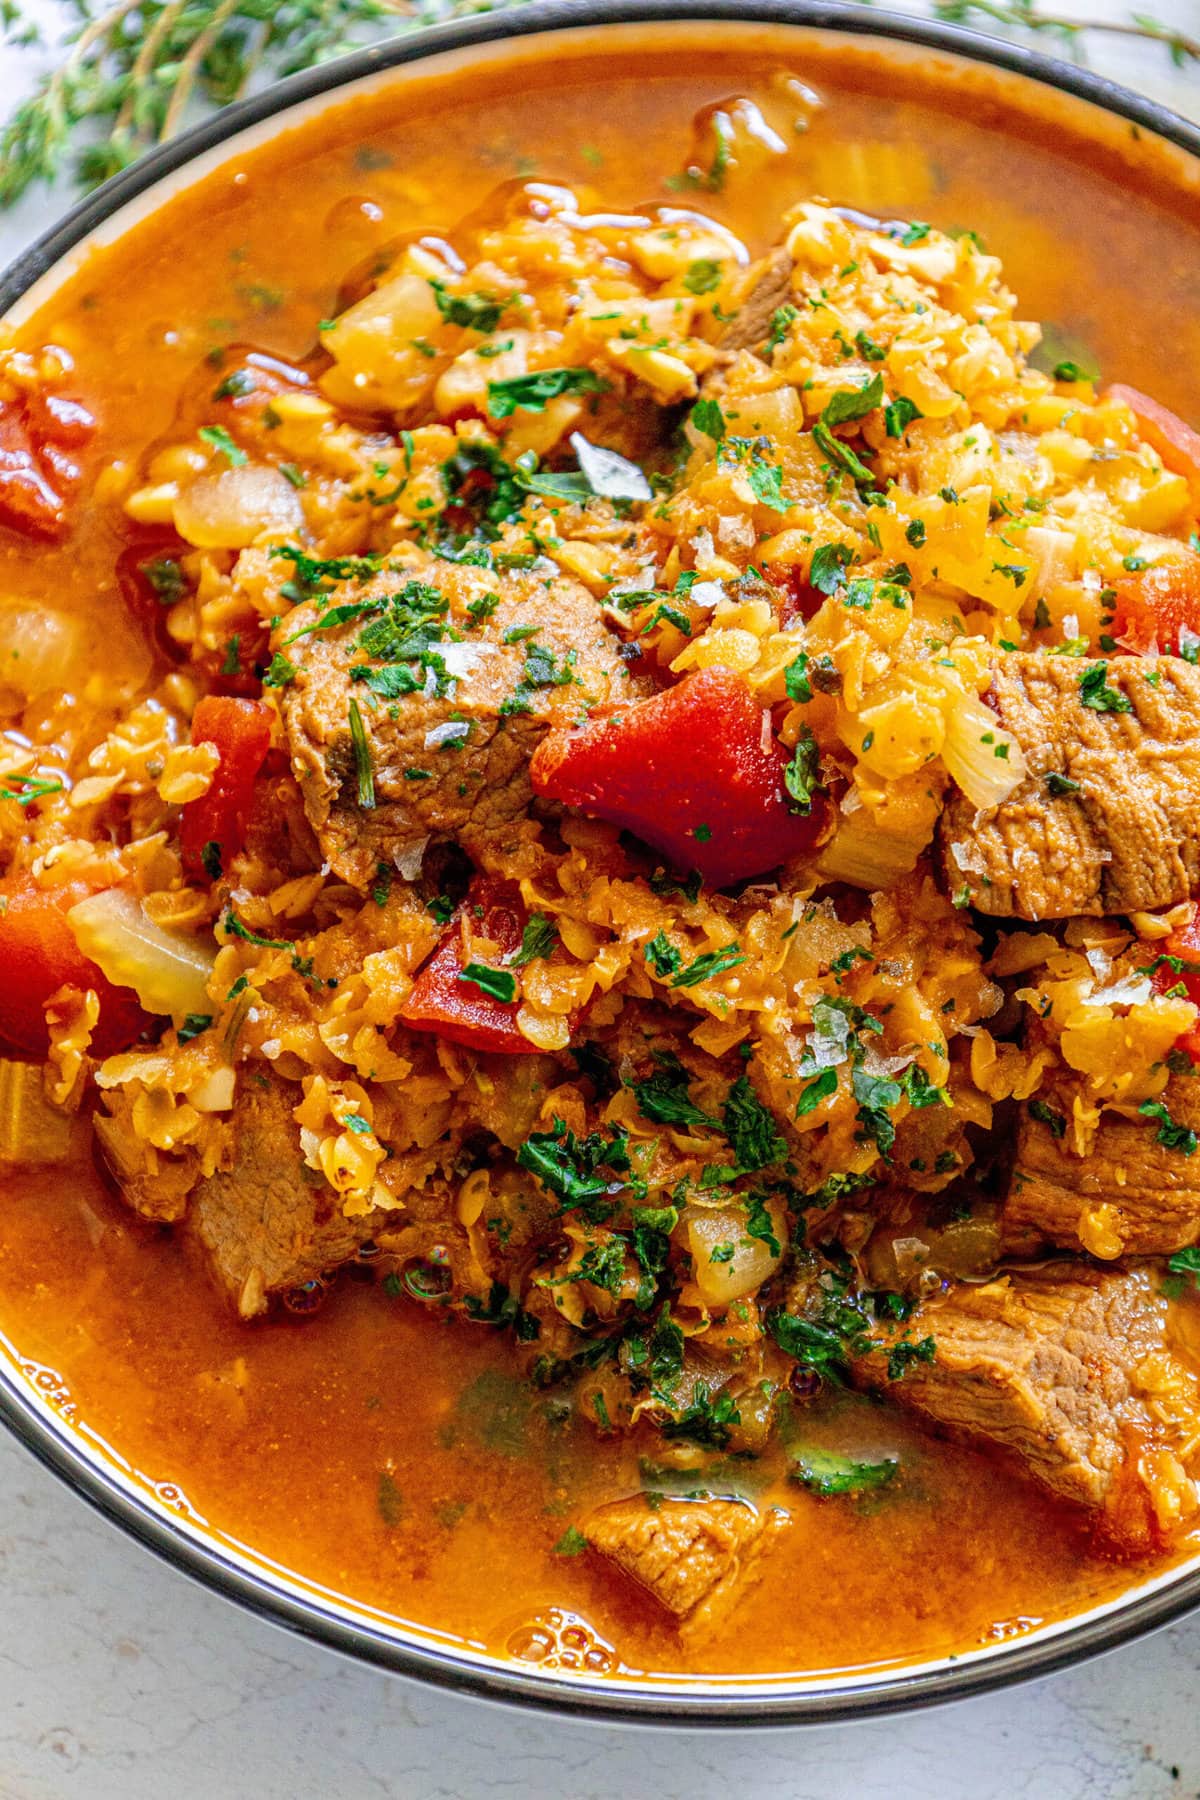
{"x":197,"y":1554}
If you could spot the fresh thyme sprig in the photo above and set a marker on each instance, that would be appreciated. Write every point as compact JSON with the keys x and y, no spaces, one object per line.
{"x":1027,"y":15}
{"x":132,"y":67}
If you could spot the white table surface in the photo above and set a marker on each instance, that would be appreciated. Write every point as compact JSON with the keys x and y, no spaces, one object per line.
{"x":119,"y":1680}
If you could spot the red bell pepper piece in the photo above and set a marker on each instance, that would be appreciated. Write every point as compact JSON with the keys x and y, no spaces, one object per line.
{"x":241,"y":731}
{"x":693,"y":771}
{"x":458,"y":1009}
{"x":38,"y":955}
{"x":1154,"y":604}
{"x":38,"y":470}
{"x":1175,"y":441}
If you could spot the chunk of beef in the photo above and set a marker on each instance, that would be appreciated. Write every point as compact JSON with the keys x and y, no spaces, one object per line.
{"x":1060,"y":1368}
{"x":449,"y":759}
{"x":1129,"y":1195}
{"x":769,"y":286}
{"x":687,"y":1553}
{"x":1107,"y":820}
{"x":270,"y":1223}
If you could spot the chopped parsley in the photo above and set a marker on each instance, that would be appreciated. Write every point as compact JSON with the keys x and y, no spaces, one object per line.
{"x":801,"y":777}
{"x":705,"y":967}
{"x":750,"y":1128}
{"x":702,"y":276}
{"x":502,"y":1309}
{"x":1170,"y":1134}
{"x":899,"y":414}
{"x":781,"y":318}
{"x":584,"y":1173}
{"x":533,"y":393}
{"x":665,"y":1097}
{"x":537,"y":941}
{"x":497,"y":984}
{"x":165,"y":578}
{"x":827,"y":570}
{"x":820,"y":1088}
{"x":280,"y":671}
{"x":1046,"y":1115}
{"x":796,"y":681}
{"x":223,"y":444}
{"x":1095,"y":692}
{"x":662,"y":955}
{"x":760,"y":1224}
{"x":707,"y":417}
{"x":1059,"y":785}
{"x":706,"y":1420}
{"x":903,"y":1356}
{"x":766,"y":483}
{"x":827,"y":1473}
{"x":474,"y":312}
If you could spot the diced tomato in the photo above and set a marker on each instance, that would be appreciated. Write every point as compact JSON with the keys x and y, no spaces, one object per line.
{"x":459,"y":1010}
{"x":1176,"y":442}
{"x":241,"y":731}
{"x":38,"y":955}
{"x":694,"y":771}
{"x":1183,"y":944}
{"x":799,"y":599}
{"x":1154,"y":604}
{"x":38,"y":470}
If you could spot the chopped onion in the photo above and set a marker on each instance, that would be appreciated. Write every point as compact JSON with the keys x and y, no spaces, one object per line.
{"x":1131,"y":990}
{"x":984,"y":759}
{"x":862,"y":853}
{"x":409,"y":860}
{"x":452,"y":732}
{"x":36,"y":645}
{"x":752,"y":1262}
{"x":643,"y":581}
{"x":216,"y":1092}
{"x":611,"y":476}
{"x":1052,"y":553}
{"x":167,"y":971}
{"x":229,"y":509}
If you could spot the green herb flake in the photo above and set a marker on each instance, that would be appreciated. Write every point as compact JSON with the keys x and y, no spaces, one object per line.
{"x":1170,"y":1134}
{"x":1094,"y":691}
{"x":827,"y":1473}
{"x":389,"y":1500}
{"x":223,"y":444}
{"x":533,"y":393}
{"x":707,"y":967}
{"x":702,"y":276}
{"x":497,"y":984}
{"x":706,"y":416}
